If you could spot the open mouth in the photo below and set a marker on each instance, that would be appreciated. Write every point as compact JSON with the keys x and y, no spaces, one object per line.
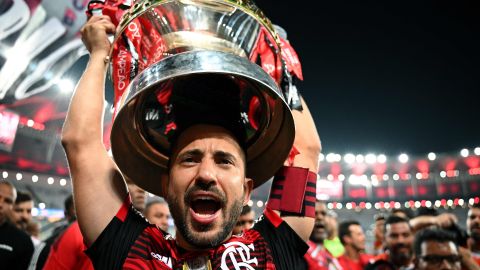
{"x":205,"y":208}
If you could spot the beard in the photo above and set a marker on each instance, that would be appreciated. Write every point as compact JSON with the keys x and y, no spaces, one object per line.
{"x":180,"y":214}
{"x":400,"y":258}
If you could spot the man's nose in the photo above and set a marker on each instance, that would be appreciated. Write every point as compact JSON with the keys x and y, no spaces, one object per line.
{"x":206,"y":172}
{"x":445,"y":265}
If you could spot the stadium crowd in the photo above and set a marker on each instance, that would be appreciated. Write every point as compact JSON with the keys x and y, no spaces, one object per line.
{"x":426,"y":240}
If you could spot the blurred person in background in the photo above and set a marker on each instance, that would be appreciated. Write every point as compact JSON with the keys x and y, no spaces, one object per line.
{"x":67,"y":252}
{"x":16,"y":246}
{"x":39,"y":259}
{"x":332,"y":243}
{"x":245,"y":220}
{"x":353,"y":239}
{"x":157,"y":212}
{"x":318,"y":257}
{"x":22,"y":210}
{"x":428,"y":217}
{"x":473,"y":228}
{"x":138,"y":195}
{"x":404,"y":213}
{"x":378,"y":232}
{"x":398,"y":244}
{"x":436,"y":249}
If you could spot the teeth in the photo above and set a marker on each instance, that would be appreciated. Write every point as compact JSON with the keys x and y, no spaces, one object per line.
{"x":204,"y":215}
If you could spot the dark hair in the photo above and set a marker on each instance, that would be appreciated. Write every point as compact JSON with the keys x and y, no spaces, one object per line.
{"x":23,"y":197}
{"x":475,"y":205}
{"x":246,"y":209}
{"x":344,"y":229}
{"x":392,"y":219}
{"x":404,"y":211}
{"x":425,"y":211}
{"x":68,"y":203}
{"x":437,"y":235}
{"x":379,"y":216}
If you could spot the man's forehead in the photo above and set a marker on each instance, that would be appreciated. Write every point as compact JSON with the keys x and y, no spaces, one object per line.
{"x":6,"y":191}
{"x":474,"y":212}
{"x":207,"y":135}
{"x":399,"y":227}
{"x":25,"y":204}
{"x":437,"y":247}
{"x":320,"y":206}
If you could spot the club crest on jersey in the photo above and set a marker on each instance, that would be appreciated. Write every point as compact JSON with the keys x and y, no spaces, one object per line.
{"x":239,"y":255}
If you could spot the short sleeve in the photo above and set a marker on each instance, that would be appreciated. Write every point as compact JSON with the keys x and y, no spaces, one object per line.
{"x":111,"y":248}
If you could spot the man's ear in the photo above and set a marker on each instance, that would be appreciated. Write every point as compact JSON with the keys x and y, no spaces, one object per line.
{"x":247,"y":187}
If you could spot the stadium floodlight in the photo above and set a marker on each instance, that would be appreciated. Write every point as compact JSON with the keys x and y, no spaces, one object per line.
{"x":381,"y":158}
{"x":403,"y":158}
{"x":432,"y":156}
{"x":477,"y":151}
{"x":359,"y":158}
{"x":464,"y":152}
{"x":63,"y":182}
{"x":349,"y":158}
{"x":65,"y":85}
{"x":370,"y":158}
{"x":321,"y":157}
{"x":19,"y":176}
{"x":331,"y":157}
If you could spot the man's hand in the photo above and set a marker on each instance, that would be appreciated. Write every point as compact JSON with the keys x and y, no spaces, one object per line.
{"x":95,"y":34}
{"x":98,"y":185}
{"x":445,"y":220}
{"x":467,"y":260}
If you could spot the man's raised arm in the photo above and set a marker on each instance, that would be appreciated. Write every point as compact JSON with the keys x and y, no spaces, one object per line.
{"x":98,"y":186}
{"x":293,"y":191}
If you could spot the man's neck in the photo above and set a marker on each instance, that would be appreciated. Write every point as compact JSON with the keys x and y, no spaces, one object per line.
{"x":475,"y":246}
{"x":352,"y":253}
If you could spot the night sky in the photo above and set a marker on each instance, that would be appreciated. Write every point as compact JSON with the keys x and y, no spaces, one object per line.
{"x":392,"y":77}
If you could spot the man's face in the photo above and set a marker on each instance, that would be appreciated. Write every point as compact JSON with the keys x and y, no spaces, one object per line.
{"x":207,"y":187}
{"x":319,"y":232}
{"x":473,"y":224}
{"x":138,"y":195}
{"x":399,"y":241}
{"x":22,"y":214}
{"x":356,"y":238}
{"x":331,"y":225}
{"x":7,"y":198}
{"x":159,"y":214}
{"x":438,"y":256}
{"x":244,"y":222}
{"x":379,"y":233}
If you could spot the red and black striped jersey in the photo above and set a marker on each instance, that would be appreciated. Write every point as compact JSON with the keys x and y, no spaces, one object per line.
{"x":130,"y":242}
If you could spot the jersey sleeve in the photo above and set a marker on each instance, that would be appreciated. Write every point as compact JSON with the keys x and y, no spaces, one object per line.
{"x":111,"y":248}
{"x":286,"y":246}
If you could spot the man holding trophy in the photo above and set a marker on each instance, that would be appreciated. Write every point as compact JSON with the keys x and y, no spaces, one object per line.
{"x":200,"y":124}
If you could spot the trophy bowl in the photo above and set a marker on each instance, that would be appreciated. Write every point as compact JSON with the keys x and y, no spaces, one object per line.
{"x":171,"y":40}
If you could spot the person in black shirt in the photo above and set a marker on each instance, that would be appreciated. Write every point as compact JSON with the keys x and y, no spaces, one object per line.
{"x":16,"y":247}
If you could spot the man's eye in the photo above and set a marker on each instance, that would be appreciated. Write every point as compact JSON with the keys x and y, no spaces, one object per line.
{"x":225,"y":161}
{"x":188,"y":160}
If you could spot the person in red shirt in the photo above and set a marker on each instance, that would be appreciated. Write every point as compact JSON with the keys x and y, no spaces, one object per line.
{"x":353,"y":239}
{"x":473,"y":228}
{"x":318,"y":257}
